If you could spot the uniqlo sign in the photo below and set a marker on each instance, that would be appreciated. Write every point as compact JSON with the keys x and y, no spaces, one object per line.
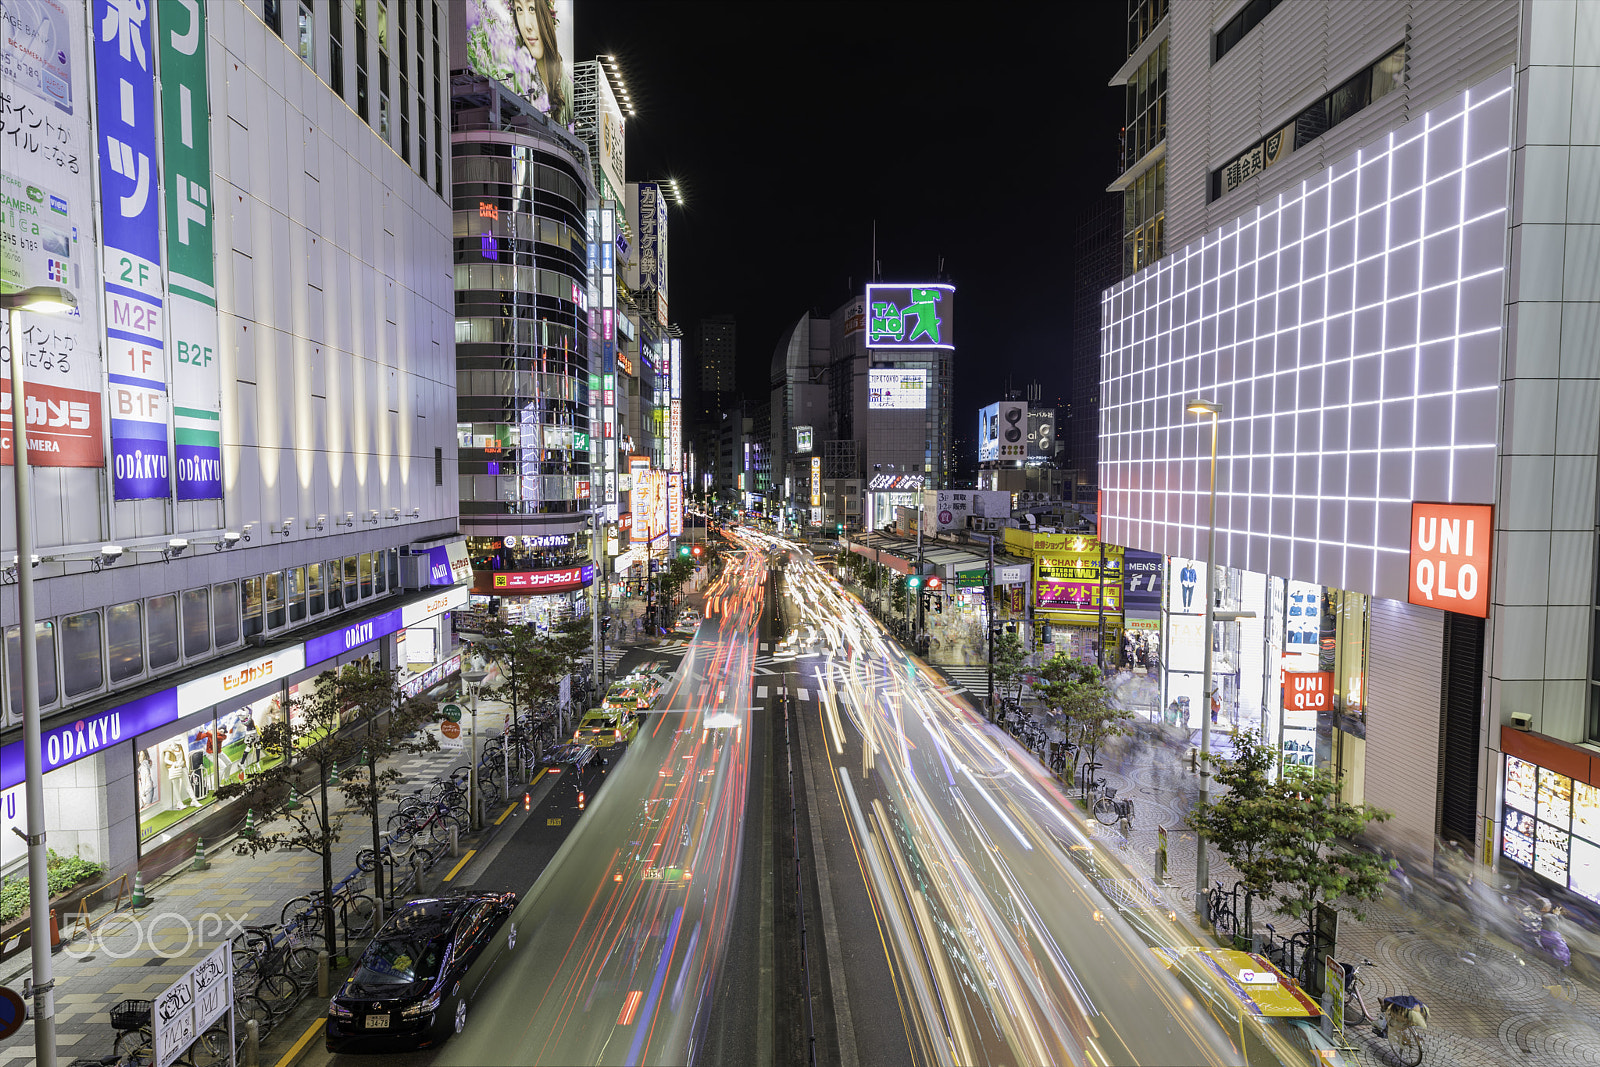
{"x":1308,"y":690}
{"x":1450,"y":556}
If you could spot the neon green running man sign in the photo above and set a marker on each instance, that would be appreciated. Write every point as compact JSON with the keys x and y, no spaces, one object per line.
{"x":910,"y":316}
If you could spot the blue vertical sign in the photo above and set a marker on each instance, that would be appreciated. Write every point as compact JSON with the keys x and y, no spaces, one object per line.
{"x":130,"y":223}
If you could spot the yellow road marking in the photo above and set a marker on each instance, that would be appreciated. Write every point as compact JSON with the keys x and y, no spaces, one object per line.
{"x":457,"y":868}
{"x":299,"y":1046}
{"x":511,"y":808}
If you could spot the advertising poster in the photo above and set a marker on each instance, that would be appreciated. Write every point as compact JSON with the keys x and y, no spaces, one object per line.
{"x":191,"y":278}
{"x":527,"y":46}
{"x":1186,"y":591}
{"x":47,"y":230}
{"x":1141,"y":582}
{"x":1041,"y":433}
{"x":911,"y":316}
{"x":897,"y":390}
{"x":130,"y":222}
{"x":1303,"y":631}
{"x":989,"y":433}
{"x":1010,"y":430}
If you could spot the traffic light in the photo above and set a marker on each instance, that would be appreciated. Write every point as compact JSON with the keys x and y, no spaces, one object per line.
{"x":913,"y":582}
{"x":938,"y":605}
{"x":696,"y":550}
{"x":841,"y":528}
{"x":935,"y":582}
{"x":683,"y":550}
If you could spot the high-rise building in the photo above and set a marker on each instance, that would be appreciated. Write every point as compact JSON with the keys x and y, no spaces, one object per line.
{"x":1143,"y":181}
{"x":268,"y":481}
{"x":1096,"y":264}
{"x":524,"y":187}
{"x":1382,"y":239}
{"x":717,"y":349}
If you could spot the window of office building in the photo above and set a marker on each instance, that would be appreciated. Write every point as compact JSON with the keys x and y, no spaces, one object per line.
{"x":307,"y":25}
{"x":336,"y":49}
{"x":44,"y":643}
{"x":276,"y":611}
{"x":365,"y":563}
{"x":225,"y":613}
{"x":196,"y":622}
{"x":297,"y":593}
{"x":272,"y":15}
{"x":1143,"y":17}
{"x":1144,"y":206}
{"x":405,"y":85}
{"x":361,"y":60}
{"x":351,"y":570}
{"x":383,"y":69}
{"x":422,"y":94}
{"x":124,"y":641}
{"x":252,"y":607}
{"x":81,"y":657}
{"x":1145,"y":113}
{"x":1351,"y":97}
{"x":1234,"y":30}
{"x":335,"y":586}
{"x":162,"y":625}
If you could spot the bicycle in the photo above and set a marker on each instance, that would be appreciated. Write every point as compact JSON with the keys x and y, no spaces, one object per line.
{"x":438,"y":825}
{"x":1355,"y":1004}
{"x":367,"y":860}
{"x":1107,"y":808}
{"x":270,"y":968}
{"x":1221,"y":908}
{"x":1405,"y":1018}
{"x":307,"y":913}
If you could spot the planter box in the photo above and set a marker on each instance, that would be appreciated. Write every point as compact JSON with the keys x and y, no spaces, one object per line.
{"x":15,"y":936}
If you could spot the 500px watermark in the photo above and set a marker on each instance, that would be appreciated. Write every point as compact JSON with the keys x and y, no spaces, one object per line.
{"x":169,"y":934}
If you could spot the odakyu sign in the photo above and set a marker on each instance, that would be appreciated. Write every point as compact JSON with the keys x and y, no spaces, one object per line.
{"x":64,"y":744}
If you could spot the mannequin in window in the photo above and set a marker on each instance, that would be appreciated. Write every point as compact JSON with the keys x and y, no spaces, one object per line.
{"x":148,"y":792}
{"x":176,"y":760}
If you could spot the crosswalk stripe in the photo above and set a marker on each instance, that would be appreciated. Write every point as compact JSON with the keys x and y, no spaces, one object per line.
{"x":803,"y":694}
{"x":761,"y":692}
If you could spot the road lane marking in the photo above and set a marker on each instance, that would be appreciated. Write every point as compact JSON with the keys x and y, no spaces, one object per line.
{"x":457,"y":868}
{"x":511,"y":808}
{"x":299,"y":1046}
{"x":803,"y":694}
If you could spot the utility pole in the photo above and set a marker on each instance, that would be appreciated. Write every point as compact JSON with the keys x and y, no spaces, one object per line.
{"x":988,"y":608}
{"x":597,"y":552}
{"x":1100,"y":595}
{"x":922,"y":618}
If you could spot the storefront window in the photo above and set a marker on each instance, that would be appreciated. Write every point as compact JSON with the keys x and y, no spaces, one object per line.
{"x":1350,"y":659}
{"x":365,"y":562}
{"x":252,"y":607}
{"x":196,"y":623}
{"x":314,"y":588}
{"x":379,"y":571}
{"x":80,"y":653}
{"x":44,"y":643}
{"x":394,"y":568}
{"x":297,"y":594}
{"x":225,"y":613}
{"x":276,"y":614}
{"x":350,"y":586}
{"x":1552,"y":825}
{"x":163,"y":630}
{"x":124,"y":641}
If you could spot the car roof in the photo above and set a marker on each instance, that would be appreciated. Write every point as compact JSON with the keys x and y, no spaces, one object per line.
{"x":1267,"y":992}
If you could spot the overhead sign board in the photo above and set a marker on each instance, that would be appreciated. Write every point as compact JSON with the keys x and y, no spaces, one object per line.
{"x":897,"y":390}
{"x":911,"y":316}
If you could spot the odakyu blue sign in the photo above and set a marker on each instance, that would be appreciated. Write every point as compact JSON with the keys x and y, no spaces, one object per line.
{"x":72,"y":741}
{"x":352,"y":637}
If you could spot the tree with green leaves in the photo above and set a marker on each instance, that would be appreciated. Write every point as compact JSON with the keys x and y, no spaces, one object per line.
{"x":349,"y":710}
{"x":1283,"y":833}
{"x":529,"y":662}
{"x":1010,"y":664}
{"x":1076,"y":692}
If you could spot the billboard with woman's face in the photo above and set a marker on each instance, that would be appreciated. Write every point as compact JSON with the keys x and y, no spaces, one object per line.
{"x":527,"y":45}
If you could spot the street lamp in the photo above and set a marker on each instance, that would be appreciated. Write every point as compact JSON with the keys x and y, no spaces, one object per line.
{"x":1202,"y":863}
{"x":41,"y":300}
{"x":474,"y":676}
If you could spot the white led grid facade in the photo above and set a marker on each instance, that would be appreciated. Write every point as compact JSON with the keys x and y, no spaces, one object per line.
{"x":1350,"y":332}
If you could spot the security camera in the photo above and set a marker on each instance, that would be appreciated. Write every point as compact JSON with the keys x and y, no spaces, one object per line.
{"x":32,"y":558}
{"x":231,"y":537}
{"x":110,"y":553}
{"x":1521,"y":720}
{"x":176,"y":545}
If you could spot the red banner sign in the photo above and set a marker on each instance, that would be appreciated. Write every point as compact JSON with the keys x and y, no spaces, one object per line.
{"x":1450,"y":556}
{"x":562,"y":580}
{"x":1308,"y":690}
{"x":63,"y":426}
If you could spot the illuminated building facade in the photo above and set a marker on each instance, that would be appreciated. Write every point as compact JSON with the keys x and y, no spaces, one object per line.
{"x":1378,"y":271}
{"x":201,"y":560}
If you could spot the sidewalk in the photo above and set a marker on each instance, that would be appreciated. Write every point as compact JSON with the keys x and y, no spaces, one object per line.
{"x":188,"y":913}
{"x":1489,"y":1004}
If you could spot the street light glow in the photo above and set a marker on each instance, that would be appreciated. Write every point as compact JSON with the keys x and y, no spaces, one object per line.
{"x":40,"y":299}
{"x":1203,"y":407}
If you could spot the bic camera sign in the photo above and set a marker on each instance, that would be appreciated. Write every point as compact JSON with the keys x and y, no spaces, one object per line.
{"x":1450,"y":557}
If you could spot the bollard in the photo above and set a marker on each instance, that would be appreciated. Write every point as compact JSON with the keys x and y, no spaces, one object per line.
{"x":200,"y":863}
{"x":137,"y":900}
{"x":252,"y":1043}
{"x":322,"y":972}
{"x":455,"y":842}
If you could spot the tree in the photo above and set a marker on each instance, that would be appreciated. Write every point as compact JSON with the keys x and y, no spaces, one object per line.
{"x":1075,"y":691}
{"x":309,"y":744}
{"x":1236,"y":817}
{"x":1010,"y":661}
{"x":1282,"y":834}
{"x":529,"y":662}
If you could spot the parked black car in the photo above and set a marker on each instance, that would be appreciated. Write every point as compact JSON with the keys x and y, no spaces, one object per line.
{"x":412,"y":985}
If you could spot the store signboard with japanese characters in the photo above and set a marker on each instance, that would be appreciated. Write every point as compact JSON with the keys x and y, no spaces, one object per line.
{"x":191,"y":280}
{"x":130,"y":225}
{"x":47,"y":233}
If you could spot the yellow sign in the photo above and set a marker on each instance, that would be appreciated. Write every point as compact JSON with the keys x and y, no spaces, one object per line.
{"x":553,"y":822}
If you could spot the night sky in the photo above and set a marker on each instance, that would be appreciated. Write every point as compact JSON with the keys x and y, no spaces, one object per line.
{"x":973,"y":132}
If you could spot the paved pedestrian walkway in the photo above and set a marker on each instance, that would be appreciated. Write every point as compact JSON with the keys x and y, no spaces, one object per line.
{"x":188,"y":913}
{"x":1489,"y":1002}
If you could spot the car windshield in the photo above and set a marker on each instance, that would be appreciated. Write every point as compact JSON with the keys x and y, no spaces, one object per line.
{"x":399,"y":962}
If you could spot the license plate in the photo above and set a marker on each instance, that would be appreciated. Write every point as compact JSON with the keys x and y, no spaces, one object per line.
{"x":377,"y":1022}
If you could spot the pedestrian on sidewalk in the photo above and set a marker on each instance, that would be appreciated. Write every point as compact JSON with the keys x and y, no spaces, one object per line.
{"x":1549,"y":934}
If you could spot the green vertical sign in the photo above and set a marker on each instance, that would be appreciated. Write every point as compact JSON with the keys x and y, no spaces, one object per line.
{"x":191,"y":280}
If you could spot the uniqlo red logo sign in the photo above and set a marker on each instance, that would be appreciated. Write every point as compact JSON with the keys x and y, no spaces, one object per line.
{"x":1308,"y":690}
{"x":1450,"y":557}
